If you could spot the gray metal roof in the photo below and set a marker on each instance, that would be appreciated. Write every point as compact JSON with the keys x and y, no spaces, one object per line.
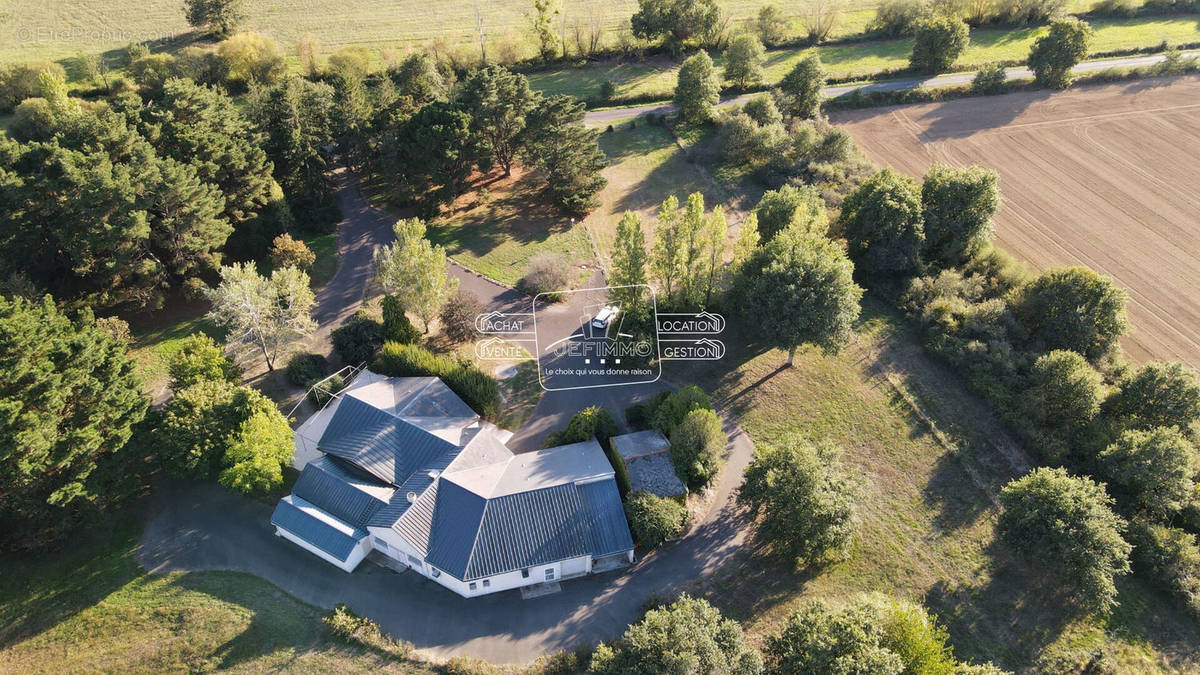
{"x":340,"y":491}
{"x":471,"y":537}
{"x":605,"y":524}
{"x":324,"y":536}
{"x":456,"y":517}
{"x":381,"y":444}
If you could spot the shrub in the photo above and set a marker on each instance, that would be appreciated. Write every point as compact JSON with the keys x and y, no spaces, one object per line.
{"x":1118,"y":8}
{"x":33,"y":121}
{"x":396,"y":326}
{"x":763,"y":111}
{"x":1172,"y":556}
{"x":352,"y":628}
{"x":305,"y":369}
{"x":201,"y":359}
{"x":478,"y":389}
{"x":895,"y":18}
{"x":654,"y":519}
{"x":607,"y":90}
{"x":803,"y":499}
{"x":321,"y":395}
{"x":547,"y":273}
{"x":251,"y":57}
{"x":671,"y":409}
{"x":698,"y":447}
{"x":938,"y":43}
{"x":19,"y":81}
{"x":289,"y":252}
{"x":1066,"y":522}
{"x":358,"y":339}
{"x":592,"y":422}
{"x":779,"y":209}
{"x":458,"y":316}
{"x":990,"y":79}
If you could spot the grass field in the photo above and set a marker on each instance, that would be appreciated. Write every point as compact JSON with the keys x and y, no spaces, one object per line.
{"x":157,"y":336}
{"x":928,"y":517}
{"x":92,"y":608}
{"x":645,"y":166}
{"x":324,"y":246}
{"x":656,"y":77}
{"x":497,"y":236}
{"x":1097,"y":176}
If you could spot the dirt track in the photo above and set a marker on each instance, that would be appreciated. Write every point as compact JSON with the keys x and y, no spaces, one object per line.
{"x":1106,"y":176}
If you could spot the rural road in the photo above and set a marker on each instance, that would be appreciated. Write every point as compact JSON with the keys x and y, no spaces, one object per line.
{"x":201,"y":526}
{"x":947,"y":80}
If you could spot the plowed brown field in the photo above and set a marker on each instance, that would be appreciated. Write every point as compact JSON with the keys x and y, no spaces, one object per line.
{"x":1105,"y":176}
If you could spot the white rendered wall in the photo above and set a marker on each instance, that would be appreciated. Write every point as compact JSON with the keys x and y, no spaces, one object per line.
{"x":356,"y":554}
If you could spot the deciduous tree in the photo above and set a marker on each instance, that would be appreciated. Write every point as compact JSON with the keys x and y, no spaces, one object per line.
{"x":1067,"y":524}
{"x":958,"y":205}
{"x":416,"y":270}
{"x":803,"y":500}
{"x":200,"y":359}
{"x":262,"y":314}
{"x":744,"y":60}
{"x":883,"y":225}
{"x":790,"y":205}
{"x":698,"y":447}
{"x":219,"y":17}
{"x":1054,"y":54}
{"x":800,"y":89}
{"x":697,"y":90}
{"x":799,"y":289}
{"x":687,"y":636}
{"x":676,"y":22}
{"x":1073,"y":308}
{"x":938,"y":43}
{"x":628,"y":260}
{"x":1153,"y":470}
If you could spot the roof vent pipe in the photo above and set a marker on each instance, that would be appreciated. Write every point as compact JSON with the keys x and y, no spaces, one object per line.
{"x":412,"y":497}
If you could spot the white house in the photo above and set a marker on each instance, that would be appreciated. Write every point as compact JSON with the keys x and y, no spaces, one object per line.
{"x":403,"y":467}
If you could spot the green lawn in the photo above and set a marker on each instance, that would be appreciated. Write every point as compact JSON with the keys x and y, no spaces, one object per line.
{"x":157,"y":336}
{"x":324,"y":246}
{"x":497,"y":237}
{"x":656,"y":77}
{"x":645,"y":166}
{"x":928,"y":517}
{"x":91,"y":607}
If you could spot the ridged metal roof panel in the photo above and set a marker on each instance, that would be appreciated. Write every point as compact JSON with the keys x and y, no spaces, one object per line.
{"x":340,"y":492}
{"x":316,"y":532}
{"x":605,"y":524}
{"x":381,"y":444}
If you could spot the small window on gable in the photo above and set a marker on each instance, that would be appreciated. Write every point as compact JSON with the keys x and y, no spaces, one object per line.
{"x":487,"y":583}
{"x":525,"y":573}
{"x":471,"y":585}
{"x":549,"y":574}
{"x":435,"y":573}
{"x":381,"y":544}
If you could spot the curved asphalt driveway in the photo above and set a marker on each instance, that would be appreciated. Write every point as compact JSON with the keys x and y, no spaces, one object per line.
{"x":204,"y":527}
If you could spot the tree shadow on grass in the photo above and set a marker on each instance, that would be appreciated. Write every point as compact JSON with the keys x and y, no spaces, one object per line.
{"x":40,"y":590}
{"x":518,"y":211}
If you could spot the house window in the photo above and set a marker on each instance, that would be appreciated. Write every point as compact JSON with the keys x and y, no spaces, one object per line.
{"x":525,"y":573}
{"x":487,"y":583}
{"x":549,"y":574}
{"x":434,"y":572}
{"x":414,"y":561}
{"x":381,"y":544}
{"x":471,"y":585}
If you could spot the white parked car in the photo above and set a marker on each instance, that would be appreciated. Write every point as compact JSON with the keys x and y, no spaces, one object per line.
{"x":605,"y":317}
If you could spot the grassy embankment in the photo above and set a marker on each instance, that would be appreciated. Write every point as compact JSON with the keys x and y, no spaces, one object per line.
{"x":655,"y":78}
{"x":928,"y":518}
{"x":91,"y":607}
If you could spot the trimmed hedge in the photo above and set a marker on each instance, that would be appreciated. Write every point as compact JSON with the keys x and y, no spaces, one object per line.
{"x":478,"y":389}
{"x":592,"y":422}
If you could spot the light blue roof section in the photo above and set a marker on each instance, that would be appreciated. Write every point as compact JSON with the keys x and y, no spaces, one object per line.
{"x":606,"y":527}
{"x":340,"y":491}
{"x":528,"y":529}
{"x":456,"y":518}
{"x":381,"y":444}
{"x":318,"y":533}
